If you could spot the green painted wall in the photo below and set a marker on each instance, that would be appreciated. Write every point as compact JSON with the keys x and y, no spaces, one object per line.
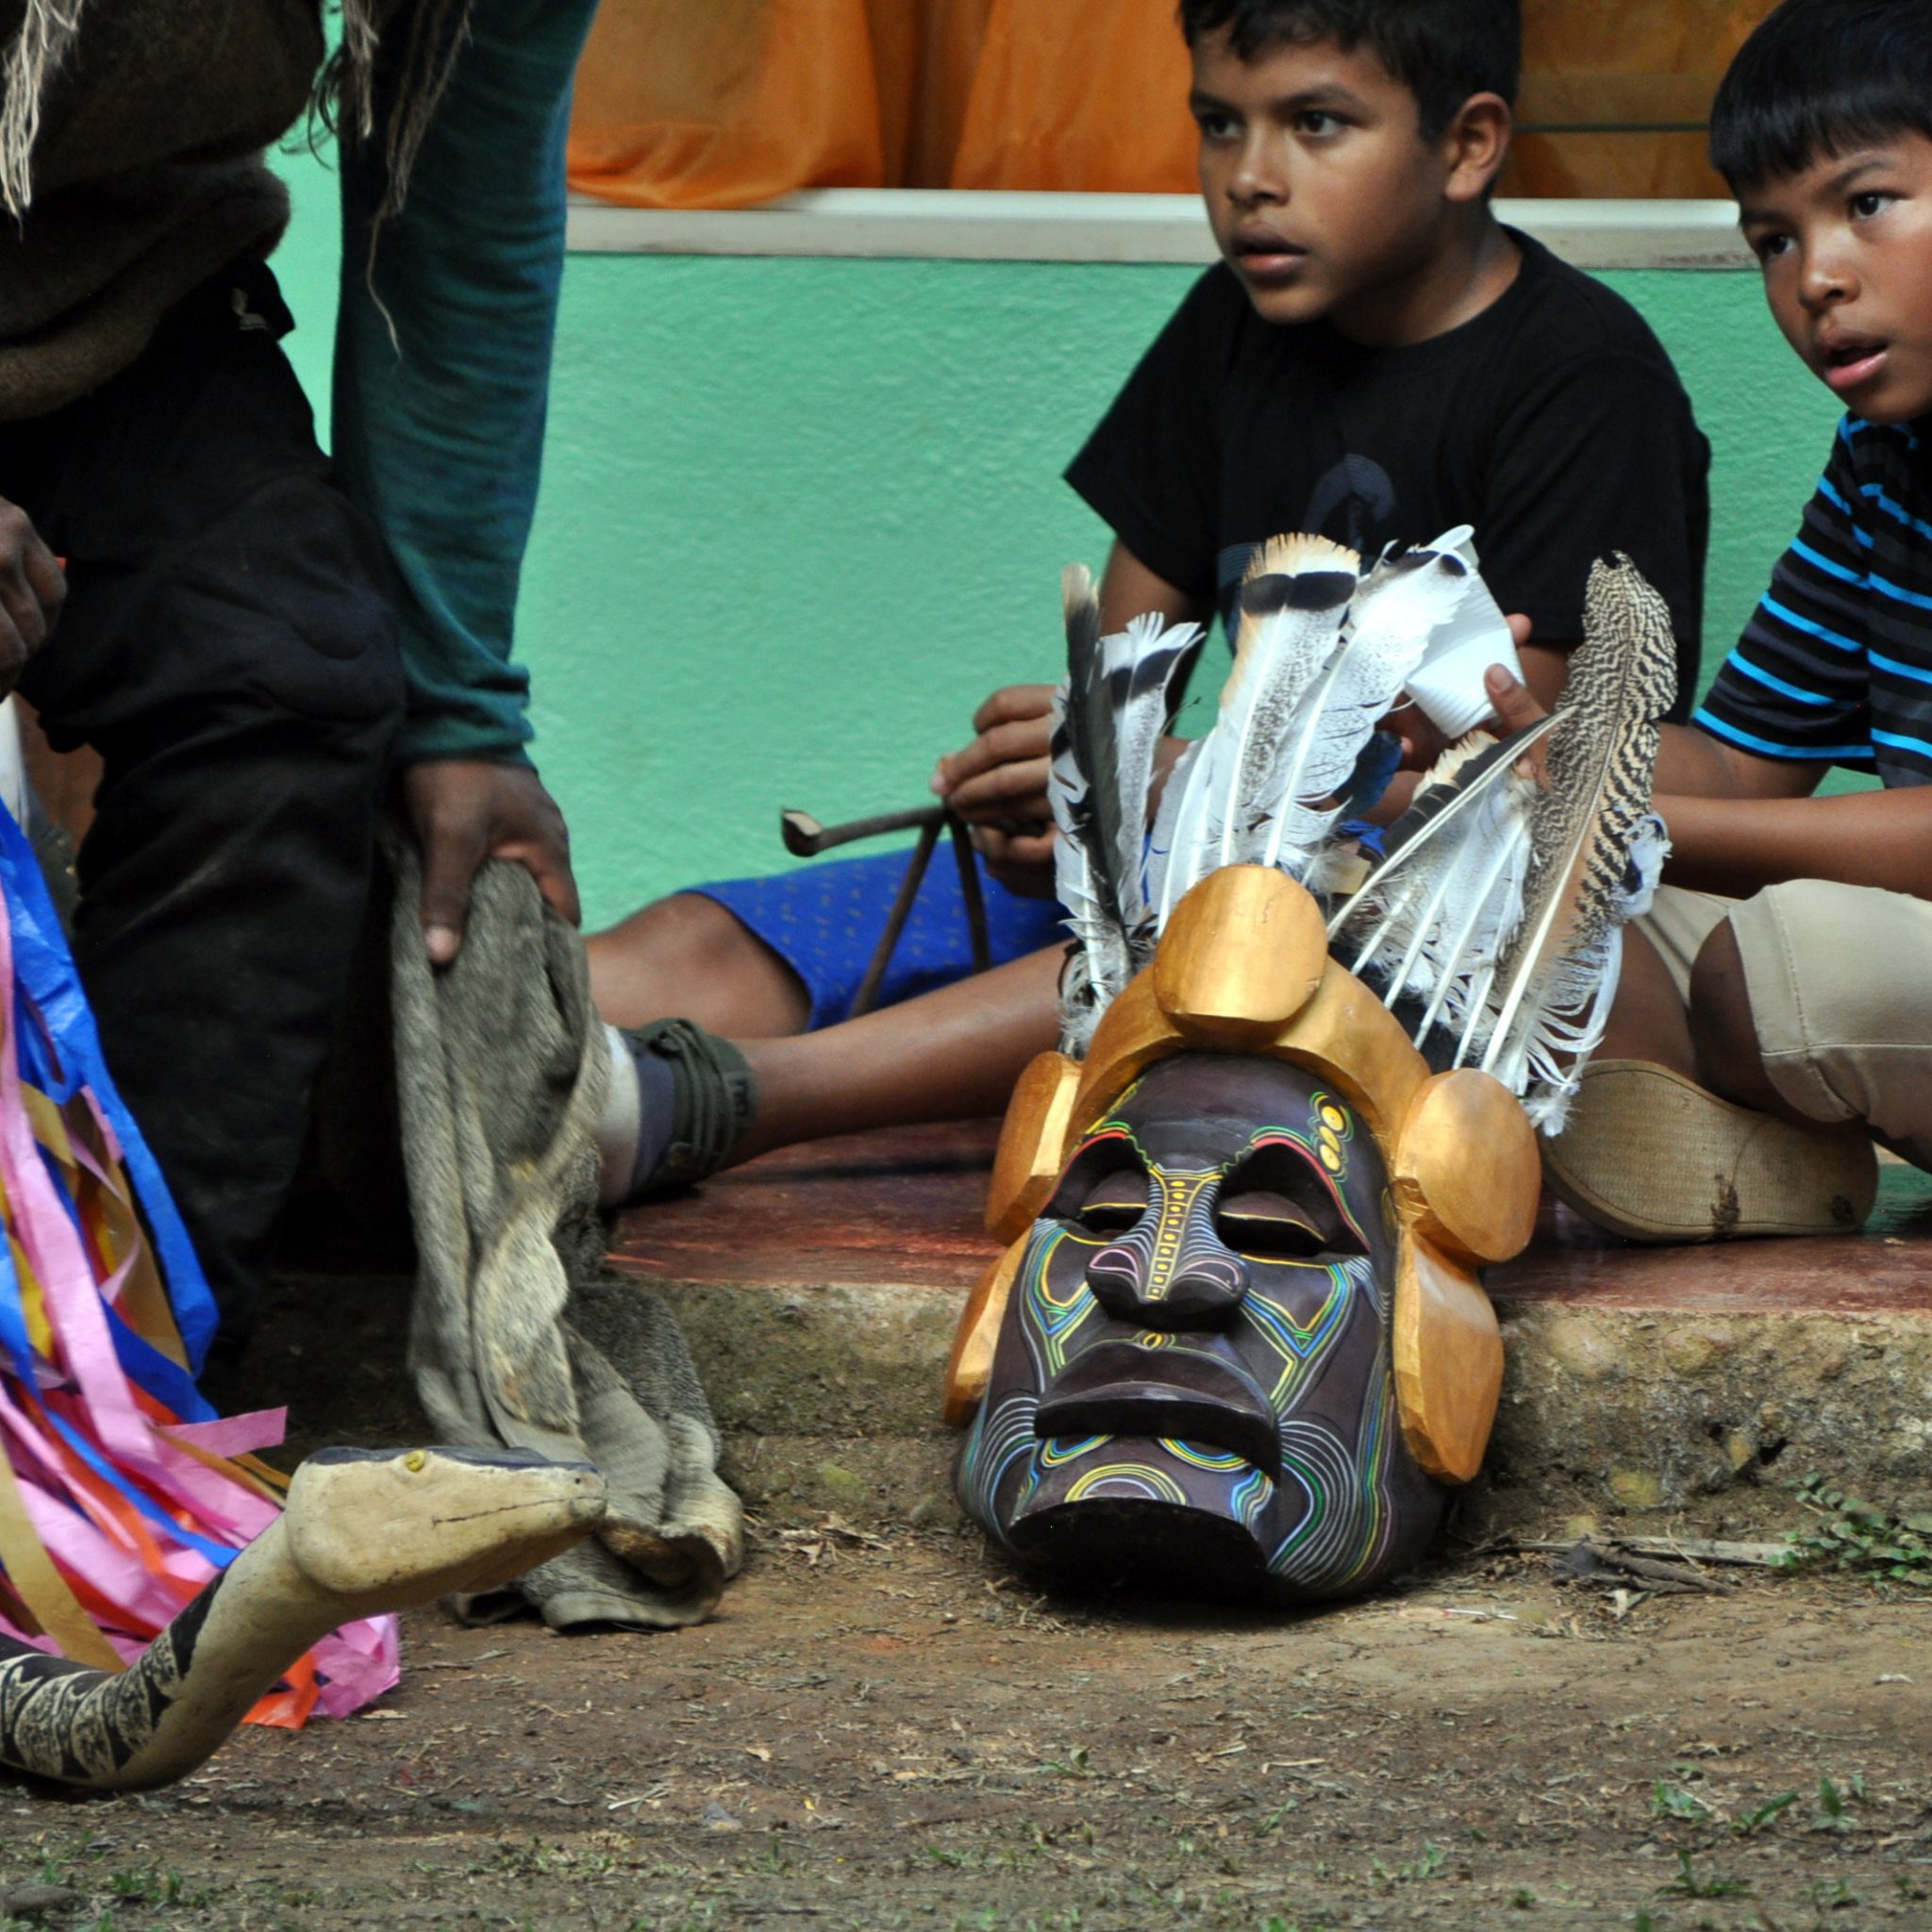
{"x":799,"y":516}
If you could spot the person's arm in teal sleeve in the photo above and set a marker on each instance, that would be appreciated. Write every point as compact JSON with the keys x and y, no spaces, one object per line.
{"x":442,"y":366}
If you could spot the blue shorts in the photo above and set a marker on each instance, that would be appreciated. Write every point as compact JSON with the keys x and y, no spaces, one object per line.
{"x":825,"y":920}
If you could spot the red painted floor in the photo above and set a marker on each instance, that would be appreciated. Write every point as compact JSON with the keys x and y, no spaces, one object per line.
{"x":904,"y":1208}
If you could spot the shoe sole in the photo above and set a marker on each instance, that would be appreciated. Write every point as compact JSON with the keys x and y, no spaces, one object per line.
{"x":1653,"y":1156}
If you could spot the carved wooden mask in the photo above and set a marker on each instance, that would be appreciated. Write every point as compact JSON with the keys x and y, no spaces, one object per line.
{"x":1236,"y":1341}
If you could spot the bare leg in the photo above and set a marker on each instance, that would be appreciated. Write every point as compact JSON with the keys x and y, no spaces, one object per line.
{"x":689,"y":955}
{"x":950,"y":1055}
{"x":1648,"y":1020}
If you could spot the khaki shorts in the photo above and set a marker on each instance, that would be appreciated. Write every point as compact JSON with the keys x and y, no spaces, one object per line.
{"x":1840,"y":980}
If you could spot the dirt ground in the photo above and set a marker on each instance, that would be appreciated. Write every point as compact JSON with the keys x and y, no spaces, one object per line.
{"x":897,"y":1733}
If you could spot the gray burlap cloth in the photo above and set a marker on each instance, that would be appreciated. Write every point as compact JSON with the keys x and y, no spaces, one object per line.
{"x":517,"y":1337}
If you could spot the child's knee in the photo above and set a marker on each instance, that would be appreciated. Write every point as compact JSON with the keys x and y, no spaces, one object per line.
{"x":1830,"y":982}
{"x":690,"y":955}
{"x":702,"y":937}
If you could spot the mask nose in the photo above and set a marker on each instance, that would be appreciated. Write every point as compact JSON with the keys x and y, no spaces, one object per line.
{"x":1172,"y":1271}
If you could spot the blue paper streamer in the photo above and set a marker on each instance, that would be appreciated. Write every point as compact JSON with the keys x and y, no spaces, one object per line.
{"x":47,"y":985}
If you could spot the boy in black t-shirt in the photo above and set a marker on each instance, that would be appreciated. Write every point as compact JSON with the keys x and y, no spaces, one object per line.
{"x":1376,"y":357}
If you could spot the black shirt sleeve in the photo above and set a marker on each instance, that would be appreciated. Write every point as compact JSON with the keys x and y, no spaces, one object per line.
{"x":1150,"y":470}
{"x":1599,"y":454}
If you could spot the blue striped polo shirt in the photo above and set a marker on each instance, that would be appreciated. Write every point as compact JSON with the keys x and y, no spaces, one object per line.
{"x":1836,"y":663}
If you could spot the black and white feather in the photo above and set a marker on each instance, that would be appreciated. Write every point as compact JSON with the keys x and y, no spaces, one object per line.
{"x":1221,"y":803}
{"x":1110,"y":716}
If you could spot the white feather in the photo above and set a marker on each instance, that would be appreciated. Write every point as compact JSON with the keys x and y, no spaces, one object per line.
{"x":1438,"y":911}
{"x":1143,"y":721}
{"x":1161,"y":870}
{"x":1294,"y":601}
{"x":1109,"y":714}
{"x":1390,"y":621}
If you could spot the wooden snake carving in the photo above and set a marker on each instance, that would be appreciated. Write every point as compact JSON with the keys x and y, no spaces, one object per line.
{"x":364,"y":1532}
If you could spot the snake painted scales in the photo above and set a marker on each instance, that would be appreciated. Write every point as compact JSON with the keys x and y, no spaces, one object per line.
{"x":364,"y":1531}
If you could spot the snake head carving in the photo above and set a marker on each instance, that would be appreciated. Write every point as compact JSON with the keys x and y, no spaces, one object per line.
{"x":398,"y":1529}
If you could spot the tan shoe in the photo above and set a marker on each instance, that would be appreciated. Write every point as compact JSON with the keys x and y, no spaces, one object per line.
{"x":1651,"y":1155}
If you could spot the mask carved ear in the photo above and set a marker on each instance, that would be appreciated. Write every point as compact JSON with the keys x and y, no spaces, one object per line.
{"x":969,"y":1366}
{"x":1466,"y":1175}
{"x":1466,"y":1170}
{"x":1033,"y":1136}
{"x":1132,"y":1035}
{"x":1448,"y":1361}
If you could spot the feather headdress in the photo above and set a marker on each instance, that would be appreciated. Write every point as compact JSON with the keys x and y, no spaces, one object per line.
{"x":1499,"y":907}
{"x":1108,"y":718}
{"x":1494,"y":919}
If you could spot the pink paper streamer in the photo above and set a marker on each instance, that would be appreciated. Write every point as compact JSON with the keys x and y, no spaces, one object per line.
{"x":85,"y":1383}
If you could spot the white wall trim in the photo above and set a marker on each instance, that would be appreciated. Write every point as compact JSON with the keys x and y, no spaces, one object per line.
{"x":971,"y":225}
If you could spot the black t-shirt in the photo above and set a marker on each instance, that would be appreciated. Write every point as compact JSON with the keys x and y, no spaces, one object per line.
{"x":1552,"y":423}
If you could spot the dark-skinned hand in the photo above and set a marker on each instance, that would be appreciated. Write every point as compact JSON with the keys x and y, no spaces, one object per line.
{"x":1422,"y":741}
{"x":465,"y":810}
{"x":1517,"y":706}
{"x":998,"y":783}
{"x":1000,"y":777}
{"x":1021,"y":861}
{"x":32,"y":590}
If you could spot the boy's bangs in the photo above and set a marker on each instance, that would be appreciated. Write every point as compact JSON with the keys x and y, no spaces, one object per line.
{"x":1822,"y":78}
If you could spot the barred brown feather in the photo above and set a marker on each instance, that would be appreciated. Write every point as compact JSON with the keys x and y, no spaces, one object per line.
{"x":1602,"y":758}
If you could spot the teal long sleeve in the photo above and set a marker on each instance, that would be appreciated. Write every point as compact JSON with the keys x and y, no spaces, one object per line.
{"x":439,"y":428}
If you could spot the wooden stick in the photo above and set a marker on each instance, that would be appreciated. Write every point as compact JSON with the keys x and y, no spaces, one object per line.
{"x":969,"y":890}
{"x":804,"y":838}
{"x":902,"y":910}
{"x":1695,"y":1549}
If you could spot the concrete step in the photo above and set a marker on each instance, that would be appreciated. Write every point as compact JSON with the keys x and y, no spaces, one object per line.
{"x":818,"y":1289}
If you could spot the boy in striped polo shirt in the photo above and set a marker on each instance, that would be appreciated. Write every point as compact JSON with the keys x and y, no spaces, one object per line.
{"x":1779,"y":1019}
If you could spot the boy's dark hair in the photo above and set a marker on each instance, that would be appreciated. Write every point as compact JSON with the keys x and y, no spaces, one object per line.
{"x":1442,"y":51}
{"x":1821,"y":77}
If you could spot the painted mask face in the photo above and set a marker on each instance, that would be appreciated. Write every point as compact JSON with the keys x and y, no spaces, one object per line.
{"x":1192,"y":1379}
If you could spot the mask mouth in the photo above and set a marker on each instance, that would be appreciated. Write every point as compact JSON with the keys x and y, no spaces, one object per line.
{"x":1122,"y":1389}
{"x":1108,"y":1544}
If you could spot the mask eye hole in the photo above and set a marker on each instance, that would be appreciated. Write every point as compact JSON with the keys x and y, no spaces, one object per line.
{"x":1258,"y":1222}
{"x":1114,"y":1203}
{"x":1275,"y":1206}
{"x":1104,"y":1191}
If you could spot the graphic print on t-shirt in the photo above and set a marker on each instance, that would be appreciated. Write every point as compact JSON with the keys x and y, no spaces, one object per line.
{"x":1353,"y":503}
{"x":1365,"y":495}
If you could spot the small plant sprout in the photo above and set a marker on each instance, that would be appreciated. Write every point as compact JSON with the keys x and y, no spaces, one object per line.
{"x":1688,"y":1883}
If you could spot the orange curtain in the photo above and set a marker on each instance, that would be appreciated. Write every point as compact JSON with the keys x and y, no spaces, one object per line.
{"x":926,"y":56}
{"x":727,"y":103}
{"x":1071,"y":95}
{"x":1625,"y":93}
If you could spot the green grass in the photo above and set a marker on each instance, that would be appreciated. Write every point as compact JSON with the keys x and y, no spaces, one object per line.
{"x":1858,"y":1539}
